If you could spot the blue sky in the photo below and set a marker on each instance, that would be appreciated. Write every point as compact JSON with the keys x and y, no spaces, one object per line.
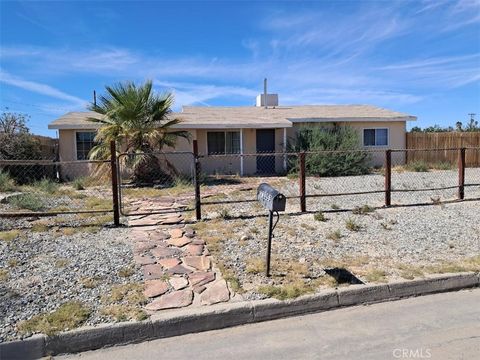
{"x":419,"y":57}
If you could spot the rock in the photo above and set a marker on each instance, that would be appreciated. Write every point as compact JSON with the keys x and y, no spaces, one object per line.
{"x":179,"y":269}
{"x":245,"y":238}
{"x":150,"y":220}
{"x":199,"y":289}
{"x":198,"y":242}
{"x":216,"y":293}
{"x":190,"y":233}
{"x":155,"y":288}
{"x":179,"y":242}
{"x":143,"y":246}
{"x":175,"y":233}
{"x":197,"y":262}
{"x":201,"y":277}
{"x":161,"y":252}
{"x":169,"y":263}
{"x":153,"y":271}
{"x":175,"y":299}
{"x":178,"y":283}
{"x":194,"y":250}
{"x":159,"y":235}
{"x":144,"y":259}
{"x":171,"y":220}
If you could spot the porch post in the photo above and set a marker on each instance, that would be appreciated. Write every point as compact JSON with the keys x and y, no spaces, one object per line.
{"x":284,"y":149}
{"x":241,"y":152}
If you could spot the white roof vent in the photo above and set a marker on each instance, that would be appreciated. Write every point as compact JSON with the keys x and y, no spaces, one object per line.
{"x":272,"y":100}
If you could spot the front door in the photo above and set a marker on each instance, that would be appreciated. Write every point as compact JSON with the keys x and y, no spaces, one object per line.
{"x":266,"y":144}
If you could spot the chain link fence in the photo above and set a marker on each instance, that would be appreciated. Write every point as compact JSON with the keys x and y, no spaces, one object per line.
{"x":45,"y":187}
{"x":225,"y":184}
{"x":156,"y":182}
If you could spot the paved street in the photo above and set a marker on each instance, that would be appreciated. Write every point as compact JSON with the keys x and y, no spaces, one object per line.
{"x":442,"y":326}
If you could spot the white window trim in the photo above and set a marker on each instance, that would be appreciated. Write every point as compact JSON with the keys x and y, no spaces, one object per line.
{"x":75,"y":140}
{"x":225,"y":140}
{"x":376,"y":128}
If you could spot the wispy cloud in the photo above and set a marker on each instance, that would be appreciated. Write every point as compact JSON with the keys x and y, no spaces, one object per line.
{"x":39,"y":88}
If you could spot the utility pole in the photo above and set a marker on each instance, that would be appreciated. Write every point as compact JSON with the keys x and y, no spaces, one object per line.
{"x":472,"y":116}
{"x":94,"y":98}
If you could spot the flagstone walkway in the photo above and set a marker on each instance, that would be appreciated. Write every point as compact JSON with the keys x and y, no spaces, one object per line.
{"x":176,"y":264}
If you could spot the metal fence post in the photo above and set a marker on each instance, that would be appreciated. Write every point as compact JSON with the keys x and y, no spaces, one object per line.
{"x":303,"y":203}
{"x":388,"y":177}
{"x":461,"y":173}
{"x":113,"y":167}
{"x":196,"y":180}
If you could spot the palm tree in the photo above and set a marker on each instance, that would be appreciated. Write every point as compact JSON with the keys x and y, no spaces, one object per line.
{"x":137,"y":120}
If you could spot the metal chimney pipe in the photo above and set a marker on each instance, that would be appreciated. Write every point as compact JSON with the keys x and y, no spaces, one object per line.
{"x":265,"y":92}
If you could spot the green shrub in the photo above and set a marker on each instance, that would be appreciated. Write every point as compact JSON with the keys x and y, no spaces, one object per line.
{"x":417,"y":166}
{"x":352,"y":225}
{"x":319,"y":216}
{"x":46,"y":185}
{"x":345,"y":156}
{"x":444,"y":165}
{"x":6,"y":182}
{"x":79,"y":183}
{"x":361,"y":210}
{"x":27,"y":201}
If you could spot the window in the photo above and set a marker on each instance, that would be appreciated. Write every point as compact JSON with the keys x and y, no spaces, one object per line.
{"x":375,"y":137}
{"x":84,"y":143}
{"x":219,"y":142}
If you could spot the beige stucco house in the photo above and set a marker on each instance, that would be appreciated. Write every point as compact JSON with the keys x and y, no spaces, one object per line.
{"x":245,"y":130}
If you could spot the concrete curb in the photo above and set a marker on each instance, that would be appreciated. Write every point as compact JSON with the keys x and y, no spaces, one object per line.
{"x":186,"y":321}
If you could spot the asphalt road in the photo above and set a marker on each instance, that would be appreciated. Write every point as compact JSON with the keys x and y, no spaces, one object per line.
{"x":441,"y":326}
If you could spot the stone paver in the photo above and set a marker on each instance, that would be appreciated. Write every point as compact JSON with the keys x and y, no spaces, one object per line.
{"x":194,"y":250}
{"x":215,"y":293}
{"x":179,"y":270}
{"x":197,"y":262}
{"x":179,"y":242}
{"x":155,"y":288}
{"x":172,"y":300}
{"x":153,"y":271}
{"x":201,"y":278}
{"x":144,"y":259}
{"x":164,"y":252}
{"x":169,"y":263}
{"x":175,"y":233}
{"x":176,"y":264}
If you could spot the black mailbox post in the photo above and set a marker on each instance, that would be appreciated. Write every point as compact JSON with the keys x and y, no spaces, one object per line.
{"x":273,"y":201}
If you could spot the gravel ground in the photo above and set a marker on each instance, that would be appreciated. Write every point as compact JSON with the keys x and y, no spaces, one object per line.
{"x":45,"y":269}
{"x":390,"y":240}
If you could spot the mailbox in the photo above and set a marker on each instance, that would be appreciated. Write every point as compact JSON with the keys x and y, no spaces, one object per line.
{"x":270,"y":198}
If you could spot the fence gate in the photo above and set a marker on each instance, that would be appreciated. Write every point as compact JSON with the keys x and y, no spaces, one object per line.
{"x":156,"y":182}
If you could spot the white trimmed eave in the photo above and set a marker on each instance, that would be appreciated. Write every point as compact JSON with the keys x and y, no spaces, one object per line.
{"x":232,"y":126}
{"x":73,"y":126}
{"x":356,"y":119}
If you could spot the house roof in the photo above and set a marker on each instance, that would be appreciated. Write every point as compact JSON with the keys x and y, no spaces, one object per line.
{"x":198,"y":117}
{"x":76,"y":120}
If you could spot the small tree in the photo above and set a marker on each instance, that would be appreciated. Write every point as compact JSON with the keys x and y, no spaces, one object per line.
{"x":18,"y":144}
{"x":336,"y":151}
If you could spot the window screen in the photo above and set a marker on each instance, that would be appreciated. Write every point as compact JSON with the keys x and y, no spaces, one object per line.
{"x":220,"y":142}
{"x":216,"y":143}
{"x":233,"y":142}
{"x":84,"y":142}
{"x":375,"y":137}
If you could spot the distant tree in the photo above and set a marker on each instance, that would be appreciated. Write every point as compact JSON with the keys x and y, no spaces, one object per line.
{"x":16,"y":143}
{"x":416,"y":129}
{"x":472,"y":126}
{"x":15,"y":138}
